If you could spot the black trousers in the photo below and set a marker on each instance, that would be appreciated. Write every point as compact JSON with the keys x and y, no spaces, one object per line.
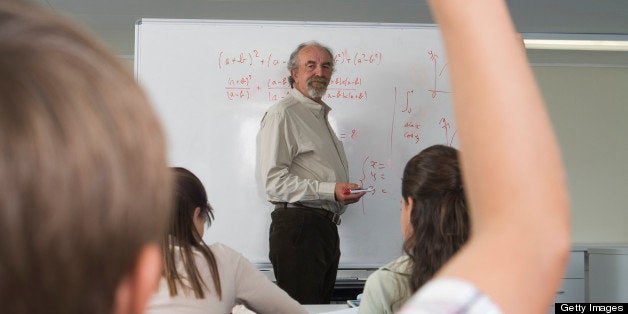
{"x":304,"y":251}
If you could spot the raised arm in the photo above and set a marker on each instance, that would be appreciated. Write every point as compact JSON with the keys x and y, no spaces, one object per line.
{"x":511,"y":164}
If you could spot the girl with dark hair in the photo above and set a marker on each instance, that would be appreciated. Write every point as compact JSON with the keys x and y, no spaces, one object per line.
{"x":198,"y":278}
{"x":434,"y":223}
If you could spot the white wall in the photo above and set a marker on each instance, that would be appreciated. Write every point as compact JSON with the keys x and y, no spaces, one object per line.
{"x":589,"y":109}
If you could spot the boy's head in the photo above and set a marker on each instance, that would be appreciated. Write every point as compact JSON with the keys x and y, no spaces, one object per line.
{"x":84,"y":182}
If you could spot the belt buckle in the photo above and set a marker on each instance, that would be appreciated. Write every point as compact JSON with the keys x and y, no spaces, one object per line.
{"x":335,"y":218}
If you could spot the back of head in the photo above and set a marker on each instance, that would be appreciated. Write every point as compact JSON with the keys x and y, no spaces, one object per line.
{"x":439,"y":219}
{"x":84,"y":183}
{"x":182,"y":238}
{"x":189,"y":194}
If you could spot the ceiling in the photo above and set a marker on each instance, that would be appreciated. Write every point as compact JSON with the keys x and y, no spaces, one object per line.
{"x":114,"y":20}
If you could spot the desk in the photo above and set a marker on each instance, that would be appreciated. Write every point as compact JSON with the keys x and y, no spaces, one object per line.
{"x":324,"y":308}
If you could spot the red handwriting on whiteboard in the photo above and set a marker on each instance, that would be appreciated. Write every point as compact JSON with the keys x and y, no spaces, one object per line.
{"x":438,"y":74}
{"x":349,"y":136}
{"x":238,"y":94}
{"x":278,"y":83}
{"x":412,"y":131}
{"x":278,"y":88}
{"x":449,"y":133}
{"x":357,"y":58}
{"x":275,"y":96}
{"x":407,"y":108}
{"x":374,"y":176}
{"x":373,"y":172}
{"x":241,"y":81}
{"x":347,"y":94}
{"x":392,"y":126}
{"x":345,"y":81}
{"x":411,"y":128}
{"x":345,"y":88}
{"x":238,"y":88}
{"x":248,"y":58}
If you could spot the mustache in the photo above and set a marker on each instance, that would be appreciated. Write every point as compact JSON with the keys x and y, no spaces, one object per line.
{"x":318,"y":79}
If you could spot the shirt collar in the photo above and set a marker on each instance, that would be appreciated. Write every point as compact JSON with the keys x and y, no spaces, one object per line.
{"x":316,"y":108}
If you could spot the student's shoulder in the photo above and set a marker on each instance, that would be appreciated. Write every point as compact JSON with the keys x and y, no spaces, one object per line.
{"x":400,"y":266}
{"x":228,"y":255}
{"x":390,"y":274}
{"x":223,"y":250}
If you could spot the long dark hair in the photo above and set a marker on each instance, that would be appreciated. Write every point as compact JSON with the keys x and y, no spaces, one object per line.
{"x":439,"y":218}
{"x":189,"y":195}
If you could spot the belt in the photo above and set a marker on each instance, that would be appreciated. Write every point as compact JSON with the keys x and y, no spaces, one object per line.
{"x":333,"y":217}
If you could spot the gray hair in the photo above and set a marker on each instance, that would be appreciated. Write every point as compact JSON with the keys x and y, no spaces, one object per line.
{"x":292,"y":62}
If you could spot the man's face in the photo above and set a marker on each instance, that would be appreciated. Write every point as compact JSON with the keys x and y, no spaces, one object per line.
{"x":314,"y":68}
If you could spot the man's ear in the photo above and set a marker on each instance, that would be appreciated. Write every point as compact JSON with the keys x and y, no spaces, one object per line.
{"x":140,"y":283}
{"x":293,"y":73}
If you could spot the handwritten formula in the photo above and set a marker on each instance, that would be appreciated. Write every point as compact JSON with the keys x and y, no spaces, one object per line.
{"x":250,"y":86}
{"x":407,"y":117}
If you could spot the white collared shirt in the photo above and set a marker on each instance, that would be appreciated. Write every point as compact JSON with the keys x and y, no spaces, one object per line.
{"x":301,"y":158}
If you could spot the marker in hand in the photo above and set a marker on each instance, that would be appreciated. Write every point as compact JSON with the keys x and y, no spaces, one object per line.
{"x":356,"y":191}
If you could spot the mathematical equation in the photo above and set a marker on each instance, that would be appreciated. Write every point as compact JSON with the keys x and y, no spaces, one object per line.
{"x":358,"y":58}
{"x":248,"y":58}
{"x":374,"y":174}
{"x":248,"y":87}
{"x":438,"y":75}
{"x":350,"y":135}
{"x":259,"y":58}
{"x":411,"y":124}
{"x":450,"y":132}
{"x":411,"y":131}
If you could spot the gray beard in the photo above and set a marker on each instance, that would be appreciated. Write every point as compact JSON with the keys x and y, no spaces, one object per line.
{"x":314,"y":93}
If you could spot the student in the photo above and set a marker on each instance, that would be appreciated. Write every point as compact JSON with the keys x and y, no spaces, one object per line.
{"x":434,"y":223}
{"x":511,"y":166}
{"x":208,"y":279}
{"x":84,"y":182}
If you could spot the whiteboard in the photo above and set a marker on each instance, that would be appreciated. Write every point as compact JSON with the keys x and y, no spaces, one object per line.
{"x":211,"y":82}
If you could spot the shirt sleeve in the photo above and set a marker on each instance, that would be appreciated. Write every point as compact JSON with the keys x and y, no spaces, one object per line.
{"x":278,"y":147}
{"x":257,"y":292}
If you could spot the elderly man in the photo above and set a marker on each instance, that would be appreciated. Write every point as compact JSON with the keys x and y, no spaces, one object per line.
{"x":305,"y":173}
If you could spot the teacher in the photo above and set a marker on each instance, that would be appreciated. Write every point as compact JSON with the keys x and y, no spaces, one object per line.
{"x":305,"y":173}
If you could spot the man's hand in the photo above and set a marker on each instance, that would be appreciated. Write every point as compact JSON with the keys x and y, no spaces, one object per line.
{"x":343,"y":196}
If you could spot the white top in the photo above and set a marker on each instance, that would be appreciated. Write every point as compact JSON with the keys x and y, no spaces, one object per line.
{"x":241,"y":282}
{"x":301,"y":159}
{"x":448,"y":296}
